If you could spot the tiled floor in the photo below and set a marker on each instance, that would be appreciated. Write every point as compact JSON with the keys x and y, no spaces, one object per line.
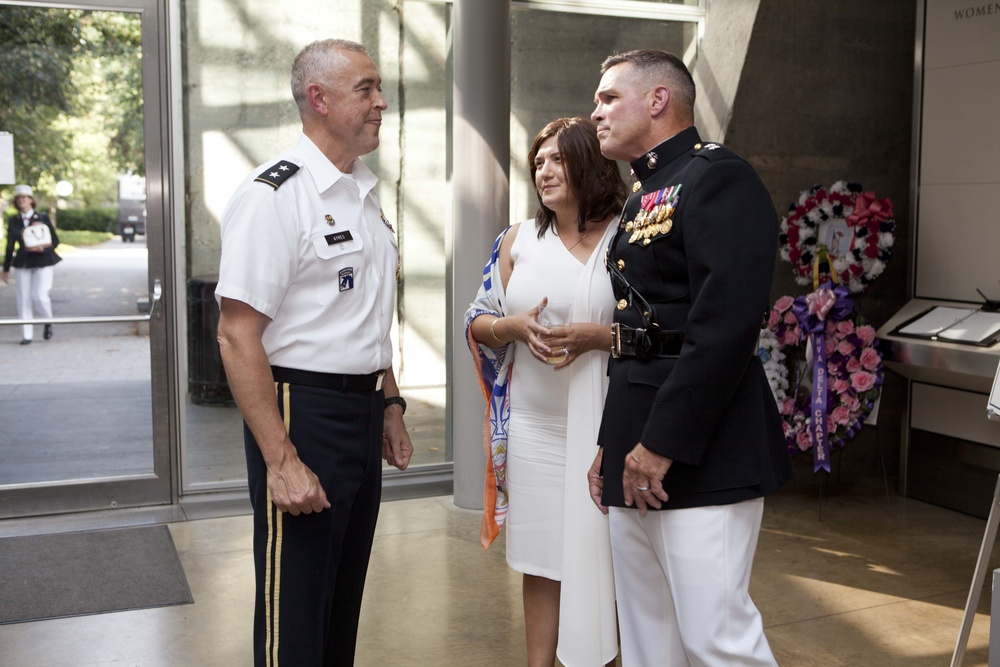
{"x":863,"y":587}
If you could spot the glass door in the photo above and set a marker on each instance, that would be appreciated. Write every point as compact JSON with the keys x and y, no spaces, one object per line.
{"x":84,"y":405}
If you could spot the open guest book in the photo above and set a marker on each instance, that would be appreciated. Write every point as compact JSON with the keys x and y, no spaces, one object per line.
{"x":968,"y":326}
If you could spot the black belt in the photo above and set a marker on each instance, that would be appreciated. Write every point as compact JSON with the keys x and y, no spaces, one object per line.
{"x":644,"y":343}
{"x":362,"y":384}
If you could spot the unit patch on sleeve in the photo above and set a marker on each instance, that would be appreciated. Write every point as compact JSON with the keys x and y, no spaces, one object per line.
{"x":277,"y":174}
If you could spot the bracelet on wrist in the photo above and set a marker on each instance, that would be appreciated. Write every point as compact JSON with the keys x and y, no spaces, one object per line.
{"x":493,"y":331}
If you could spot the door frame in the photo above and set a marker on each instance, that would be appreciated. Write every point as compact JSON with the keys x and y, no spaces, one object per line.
{"x":159,"y":487}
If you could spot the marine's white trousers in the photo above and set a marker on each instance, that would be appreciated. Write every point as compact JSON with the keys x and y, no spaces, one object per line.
{"x":682,"y":579}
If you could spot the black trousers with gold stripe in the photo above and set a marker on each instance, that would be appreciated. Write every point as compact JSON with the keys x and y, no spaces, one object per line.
{"x":310,"y":569}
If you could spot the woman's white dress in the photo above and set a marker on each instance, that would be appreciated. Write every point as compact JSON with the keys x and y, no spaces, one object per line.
{"x":536,"y":454}
{"x":551,"y":441}
{"x":536,"y":447}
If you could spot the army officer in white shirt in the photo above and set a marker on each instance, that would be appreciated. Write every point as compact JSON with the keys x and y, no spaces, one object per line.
{"x":306,"y":290}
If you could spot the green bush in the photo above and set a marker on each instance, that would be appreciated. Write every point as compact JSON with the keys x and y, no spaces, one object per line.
{"x":79,"y":239}
{"x":87,"y":219}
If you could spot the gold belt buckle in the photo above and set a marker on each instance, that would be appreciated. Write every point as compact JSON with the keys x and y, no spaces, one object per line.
{"x":379,"y":380}
{"x":616,"y":340}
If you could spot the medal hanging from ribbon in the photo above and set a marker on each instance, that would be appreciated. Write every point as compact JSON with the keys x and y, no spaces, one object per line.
{"x":654,"y":216}
{"x":812,"y":311}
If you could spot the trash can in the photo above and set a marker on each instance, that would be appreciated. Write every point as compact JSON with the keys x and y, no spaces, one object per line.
{"x":207,"y":384}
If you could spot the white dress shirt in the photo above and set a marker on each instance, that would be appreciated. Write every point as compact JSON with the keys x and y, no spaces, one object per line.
{"x":317,"y":256}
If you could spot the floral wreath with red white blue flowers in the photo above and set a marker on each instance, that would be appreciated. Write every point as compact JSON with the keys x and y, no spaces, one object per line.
{"x":840,"y":233}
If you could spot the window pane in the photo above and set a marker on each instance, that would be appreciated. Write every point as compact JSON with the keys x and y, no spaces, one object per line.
{"x":423,"y":213}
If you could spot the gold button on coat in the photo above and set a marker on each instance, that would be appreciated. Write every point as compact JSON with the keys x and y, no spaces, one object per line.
{"x":621,"y":264}
{"x":623,"y":304}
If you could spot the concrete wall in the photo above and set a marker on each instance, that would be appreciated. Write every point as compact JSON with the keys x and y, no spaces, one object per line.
{"x":719,"y":65}
{"x":826,"y":93}
{"x":555,"y":68}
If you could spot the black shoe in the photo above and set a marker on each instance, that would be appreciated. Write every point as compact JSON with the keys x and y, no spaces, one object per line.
{"x":26,"y":341}
{"x":48,"y":332}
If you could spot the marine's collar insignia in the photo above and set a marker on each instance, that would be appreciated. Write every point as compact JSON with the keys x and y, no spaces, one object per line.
{"x":278,"y":173}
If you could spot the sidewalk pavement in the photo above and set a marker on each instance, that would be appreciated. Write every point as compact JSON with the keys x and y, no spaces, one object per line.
{"x":100,"y":280}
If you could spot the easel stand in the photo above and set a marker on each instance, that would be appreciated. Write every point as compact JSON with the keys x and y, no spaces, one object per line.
{"x":985,"y":551}
{"x":885,"y":476}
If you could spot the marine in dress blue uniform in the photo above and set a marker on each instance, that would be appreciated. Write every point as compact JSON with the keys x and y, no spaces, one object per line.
{"x":690,"y":432}
{"x":307,"y":292}
{"x":690,"y":386}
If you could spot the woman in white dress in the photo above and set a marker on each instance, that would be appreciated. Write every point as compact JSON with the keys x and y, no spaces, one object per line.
{"x":544,"y":409}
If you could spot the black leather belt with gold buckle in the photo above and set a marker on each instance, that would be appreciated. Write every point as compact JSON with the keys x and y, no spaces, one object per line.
{"x":644,"y":343}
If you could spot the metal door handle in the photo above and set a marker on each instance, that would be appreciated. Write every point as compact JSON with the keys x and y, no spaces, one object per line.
{"x":97,"y":319}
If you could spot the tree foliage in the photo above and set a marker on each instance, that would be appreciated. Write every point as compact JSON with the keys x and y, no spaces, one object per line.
{"x":71,"y":94}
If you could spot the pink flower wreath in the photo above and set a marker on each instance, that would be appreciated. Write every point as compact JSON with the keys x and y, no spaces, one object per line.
{"x":853,"y":366}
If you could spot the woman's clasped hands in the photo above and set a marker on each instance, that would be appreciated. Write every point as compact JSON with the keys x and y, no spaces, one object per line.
{"x":556,"y":345}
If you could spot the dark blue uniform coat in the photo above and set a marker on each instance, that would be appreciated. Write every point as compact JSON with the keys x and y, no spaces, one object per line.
{"x":709,"y":408}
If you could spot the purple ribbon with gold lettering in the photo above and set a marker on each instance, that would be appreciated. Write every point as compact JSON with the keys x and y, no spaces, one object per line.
{"x":812,"y":312}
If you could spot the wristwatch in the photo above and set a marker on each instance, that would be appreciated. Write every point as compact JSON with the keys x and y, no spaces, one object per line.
{"x":396,"y":400}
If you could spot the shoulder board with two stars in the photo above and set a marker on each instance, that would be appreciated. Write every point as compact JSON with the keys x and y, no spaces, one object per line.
{"x":277,"y":174}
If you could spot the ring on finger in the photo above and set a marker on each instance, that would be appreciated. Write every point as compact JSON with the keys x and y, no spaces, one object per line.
{"x":565,"y":352}
{"x":642,"y":488}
